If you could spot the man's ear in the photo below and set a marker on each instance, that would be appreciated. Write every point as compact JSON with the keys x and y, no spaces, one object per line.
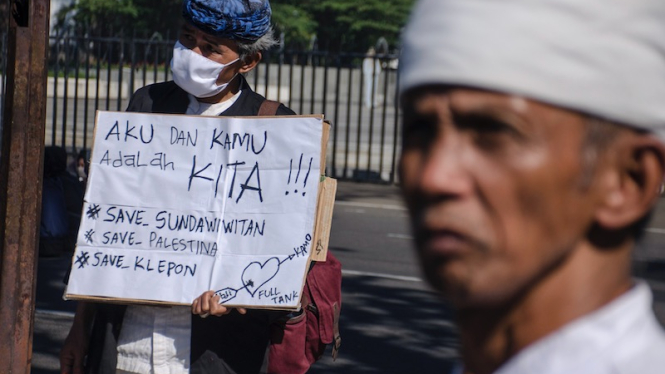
{"x":250,"y":62}
{"x":631,"y":185}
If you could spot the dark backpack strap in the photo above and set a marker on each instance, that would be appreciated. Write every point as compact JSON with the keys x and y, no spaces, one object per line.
{"x":268,"y":108}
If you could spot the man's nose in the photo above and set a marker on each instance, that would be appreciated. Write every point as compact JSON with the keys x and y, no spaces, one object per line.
{"x":445,"y":170}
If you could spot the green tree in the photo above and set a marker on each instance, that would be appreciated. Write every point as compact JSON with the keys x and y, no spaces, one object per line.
{"x":351,"y":25}
{"x":106,"y":17}
{"x":161,"y":16}
{"x":295,"y":23}
{"x":356,"y":25}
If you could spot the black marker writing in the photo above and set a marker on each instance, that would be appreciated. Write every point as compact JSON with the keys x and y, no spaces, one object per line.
{"x":256,"y":275}
{"x":129,"y":133}
{"x":247,"y":186}
{"x":121,"y":237}
{"x":103,"y":260}
{"x":170,"y":267}
{"x":192,"y":223}
{"x":183,"y":138}
{"x":187,"y":222}
{"x":125,"y":215}
{"x":302,"y":249}
{"x":230,"y":141}
{"x":285,"y":299}
{"x":175,"y":244}
{"x":139,"y":264}
{"x":164,"y":267}
{"x":135,"y":161}
{"x":252,"y":182}
{"x":233,"y":179}
{"x":196,"y":173}
{"x":93,"y":211}
{"x":88,"y":236}
{"x":82,"y":259}
{"x":304,"y":184}
{"x":244,"y":227}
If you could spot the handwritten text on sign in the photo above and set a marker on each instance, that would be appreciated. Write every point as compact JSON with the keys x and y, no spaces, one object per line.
{"x":178,"y":205}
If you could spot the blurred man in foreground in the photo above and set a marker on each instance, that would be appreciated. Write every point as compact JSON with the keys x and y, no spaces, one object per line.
{"x":532,"y":158}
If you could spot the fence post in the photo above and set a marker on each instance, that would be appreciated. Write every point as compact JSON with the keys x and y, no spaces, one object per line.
{"x":21,"y":179}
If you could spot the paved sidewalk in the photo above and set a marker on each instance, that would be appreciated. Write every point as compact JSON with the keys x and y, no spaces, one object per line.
{"x":368,"y":193}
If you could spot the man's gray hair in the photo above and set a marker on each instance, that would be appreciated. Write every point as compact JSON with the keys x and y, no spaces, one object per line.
{"x":264,"y":43}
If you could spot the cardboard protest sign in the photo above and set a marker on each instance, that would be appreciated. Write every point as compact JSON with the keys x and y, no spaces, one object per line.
{"x":178,"y":205}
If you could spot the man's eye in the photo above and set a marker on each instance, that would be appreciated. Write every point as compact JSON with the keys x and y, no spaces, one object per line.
{"x":488,"y":132}
{"x":186,"y":40}
{"x":418,"y":133}
{"x":213,"y":49}
{"x":482,"y":124}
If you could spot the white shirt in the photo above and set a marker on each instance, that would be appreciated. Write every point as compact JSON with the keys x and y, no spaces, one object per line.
{"x":156,"y":340}
{"x":623,"y":337}
{"x":196,"y":107}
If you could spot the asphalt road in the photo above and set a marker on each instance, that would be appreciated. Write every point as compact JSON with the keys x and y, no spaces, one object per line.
{"x":391,"y":321}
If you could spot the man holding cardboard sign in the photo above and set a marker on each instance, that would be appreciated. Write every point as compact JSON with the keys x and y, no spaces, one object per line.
{"x":220,"y":40}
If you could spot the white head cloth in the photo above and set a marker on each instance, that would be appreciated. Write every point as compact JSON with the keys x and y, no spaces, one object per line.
{"x":602,"y":57}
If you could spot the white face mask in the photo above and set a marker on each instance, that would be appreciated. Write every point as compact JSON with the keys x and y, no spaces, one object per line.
{"x":197,"y":74}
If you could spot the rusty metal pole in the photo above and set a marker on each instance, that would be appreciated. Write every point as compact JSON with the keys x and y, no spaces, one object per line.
{"x":21,"y":178}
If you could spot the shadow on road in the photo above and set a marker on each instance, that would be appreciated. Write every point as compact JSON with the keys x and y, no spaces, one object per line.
{"x":368,"y":192}
{"x":391,"y":327}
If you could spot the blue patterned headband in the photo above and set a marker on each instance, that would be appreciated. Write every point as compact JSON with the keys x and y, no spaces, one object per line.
{"x":242,"y":20}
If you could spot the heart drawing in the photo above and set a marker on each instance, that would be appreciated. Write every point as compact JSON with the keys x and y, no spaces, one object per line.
{"x":257,"y":274}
